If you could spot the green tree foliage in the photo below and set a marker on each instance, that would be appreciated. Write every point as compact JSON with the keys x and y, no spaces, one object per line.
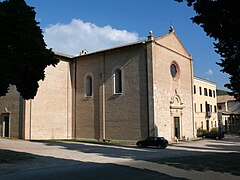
{"x":220,"y":20}
{"x":23,"y":52}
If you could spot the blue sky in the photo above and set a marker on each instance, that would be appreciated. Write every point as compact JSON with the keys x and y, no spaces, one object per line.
{"x":72,"y":25}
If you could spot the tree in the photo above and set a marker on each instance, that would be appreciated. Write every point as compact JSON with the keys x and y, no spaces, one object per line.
{"x":220,"y":20}
{"x":23,"y":52}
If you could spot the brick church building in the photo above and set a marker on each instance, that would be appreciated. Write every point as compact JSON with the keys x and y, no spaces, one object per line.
{"x":128,"y":92}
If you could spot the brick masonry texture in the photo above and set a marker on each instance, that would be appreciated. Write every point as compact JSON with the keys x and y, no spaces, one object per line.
{"x":149,"y":101}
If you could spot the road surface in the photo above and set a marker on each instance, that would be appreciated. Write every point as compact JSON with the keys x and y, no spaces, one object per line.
{"x":206,"y":159}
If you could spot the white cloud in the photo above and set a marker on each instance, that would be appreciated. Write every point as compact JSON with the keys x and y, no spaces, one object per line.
{"x":78,"y":35}
{"x":209,"y":72}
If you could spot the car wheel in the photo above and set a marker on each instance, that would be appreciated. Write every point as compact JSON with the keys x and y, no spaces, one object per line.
{"x":139,"y":144}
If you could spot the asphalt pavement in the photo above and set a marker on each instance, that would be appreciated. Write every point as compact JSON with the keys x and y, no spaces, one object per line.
{"x":205,"y":159}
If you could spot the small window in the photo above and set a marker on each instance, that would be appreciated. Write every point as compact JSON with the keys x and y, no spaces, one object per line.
{"x":88,"y":86}
{"x":195,"y":107}
{"x":214,"y":94}
{"x":215,"y":108}
{"x":205,"y":92}
{"x":201,"y":108}
{"x":194,"y":89}
{"x":210,"y":93}
{"x":117,"y":81}
{"x":173,"y":69}
{"x":200,"y":90}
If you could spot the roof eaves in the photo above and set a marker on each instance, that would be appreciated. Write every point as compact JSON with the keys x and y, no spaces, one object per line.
{"x":63,"y":55}
{"x":205,"y":80}
{"x":113,"y":48}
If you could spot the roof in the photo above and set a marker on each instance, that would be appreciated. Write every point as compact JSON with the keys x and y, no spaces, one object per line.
{"x":133,"y":44}
{"x":229,"y":113}
{"x":204,"y":80}
{"x":63,"y":55}
{"x":122,"y":46}
{"x":112,"y":48}
{"x":225,"y":98}
{"x":221,"y":92}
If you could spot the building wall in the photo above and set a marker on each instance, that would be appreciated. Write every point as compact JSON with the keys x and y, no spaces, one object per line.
{"x":11,"y":106}
{"x":201,"y":99}
{"x":49,"y":115}
{"x":228,"y":113}
{"x":167,"y":89}
{"x":233,"y":106}
{"x":87,"y":108}
{"x":106,"y":115}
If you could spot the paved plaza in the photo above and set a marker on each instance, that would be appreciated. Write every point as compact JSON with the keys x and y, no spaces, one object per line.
{"x":205,"y":159}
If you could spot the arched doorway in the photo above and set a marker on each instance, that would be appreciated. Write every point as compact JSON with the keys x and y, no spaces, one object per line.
{"x":176,"y":107}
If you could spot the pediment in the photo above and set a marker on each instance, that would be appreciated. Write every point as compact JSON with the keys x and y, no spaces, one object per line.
{"x":171,"y":41}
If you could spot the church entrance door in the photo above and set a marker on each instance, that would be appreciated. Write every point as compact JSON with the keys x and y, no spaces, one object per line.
{"x":177,"y":127}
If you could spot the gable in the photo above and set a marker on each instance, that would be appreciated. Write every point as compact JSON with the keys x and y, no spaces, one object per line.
{"x":171,"y":41}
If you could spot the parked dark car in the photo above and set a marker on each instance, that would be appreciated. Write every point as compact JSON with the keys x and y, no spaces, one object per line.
{"x":218,"y":135}
{"x":212,"y":135}
{"x":160,"y":142}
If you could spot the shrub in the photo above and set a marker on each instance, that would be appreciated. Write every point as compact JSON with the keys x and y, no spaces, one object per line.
{"x":201,"y":132}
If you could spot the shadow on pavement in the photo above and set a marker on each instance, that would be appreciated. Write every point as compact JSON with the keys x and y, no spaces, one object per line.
{"x":217,"y":162}
{"x":188,"y":158}
{"x":41,"y":167}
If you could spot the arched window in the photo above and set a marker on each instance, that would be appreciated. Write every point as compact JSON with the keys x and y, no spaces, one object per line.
{"x":117,"y":81}
{"x":88,"y":85}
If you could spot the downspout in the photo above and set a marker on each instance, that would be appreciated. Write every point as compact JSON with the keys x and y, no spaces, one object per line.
{"x":30,"y":120}
{"x":75,"y":97}
{"x":146,"y":61}
{"x":192,"y":83}
{"x":67,"y":120}
{"x":103,"y":102}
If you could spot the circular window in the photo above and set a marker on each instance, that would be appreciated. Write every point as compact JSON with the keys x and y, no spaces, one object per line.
{"x":173,"y":69}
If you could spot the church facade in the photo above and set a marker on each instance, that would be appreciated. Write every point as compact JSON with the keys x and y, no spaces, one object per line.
{"x":124,"y":93}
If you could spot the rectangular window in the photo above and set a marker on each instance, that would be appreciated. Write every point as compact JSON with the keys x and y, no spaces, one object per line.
{"x":214,"y":94}
{"x":202,"y":125}
{"x":118,"y":81}
{"x":195,"y":107}
{"x":215,"y":124}
{"x":200,"y":90}
{"x":211,"y":124}
{"x":201,"y":108}
{"x":215,"y":108}
{"x":210,"y":92}
{"x":207,"y":124}
{"x":207,"y":106}
{"x":88,"y":86}
{"x":205,"y":92}
{"x":194,"y":89}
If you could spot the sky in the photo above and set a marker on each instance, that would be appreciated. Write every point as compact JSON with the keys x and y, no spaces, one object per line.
{"x":70,"y":26}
